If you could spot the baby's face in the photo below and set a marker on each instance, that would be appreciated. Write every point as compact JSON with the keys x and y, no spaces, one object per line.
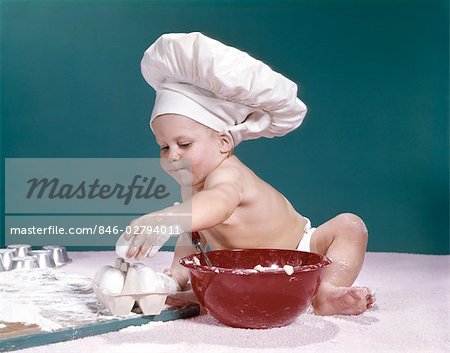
{"x":189,"y":150}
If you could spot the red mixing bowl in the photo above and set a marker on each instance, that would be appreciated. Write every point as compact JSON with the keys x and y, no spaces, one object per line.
{"x":238,"y":295}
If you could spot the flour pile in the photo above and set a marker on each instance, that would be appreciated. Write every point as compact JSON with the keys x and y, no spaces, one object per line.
{"x":47,"y":298}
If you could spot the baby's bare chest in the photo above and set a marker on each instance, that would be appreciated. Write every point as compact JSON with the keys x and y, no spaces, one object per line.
{"x":247,"y":229}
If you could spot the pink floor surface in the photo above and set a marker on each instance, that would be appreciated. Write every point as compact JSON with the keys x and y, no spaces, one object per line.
{"x":412,"y":314}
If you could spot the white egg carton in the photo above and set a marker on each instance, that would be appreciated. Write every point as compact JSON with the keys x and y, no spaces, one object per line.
{"x":151,"y":303}
{"x":121,"y":304}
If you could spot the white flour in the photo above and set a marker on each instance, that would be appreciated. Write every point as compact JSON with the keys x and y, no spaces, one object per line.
{"x":47,"y":298}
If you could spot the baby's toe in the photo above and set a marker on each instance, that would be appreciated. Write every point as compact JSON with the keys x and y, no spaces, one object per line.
{"x":359,"y":293}
{"x":371,"y":299}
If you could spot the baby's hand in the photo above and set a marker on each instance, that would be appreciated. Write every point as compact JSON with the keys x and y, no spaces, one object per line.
{"x":146,"y":235}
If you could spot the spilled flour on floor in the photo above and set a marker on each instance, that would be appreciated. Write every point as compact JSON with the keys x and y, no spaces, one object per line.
{"x":50,"y":299}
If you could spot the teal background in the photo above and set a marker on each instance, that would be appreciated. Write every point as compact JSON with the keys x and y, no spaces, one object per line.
{"x":374,"y":75}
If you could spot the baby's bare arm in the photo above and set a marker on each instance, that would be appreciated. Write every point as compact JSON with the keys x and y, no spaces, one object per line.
{"x":183,"y":248}
{"x":209,"y":207}
{"x":217,"y":201}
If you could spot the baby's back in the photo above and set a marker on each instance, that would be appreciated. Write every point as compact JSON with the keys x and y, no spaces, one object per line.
{"x":263,"y":218}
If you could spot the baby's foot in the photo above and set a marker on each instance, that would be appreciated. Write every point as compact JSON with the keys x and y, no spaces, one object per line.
{"x":332,"y":300}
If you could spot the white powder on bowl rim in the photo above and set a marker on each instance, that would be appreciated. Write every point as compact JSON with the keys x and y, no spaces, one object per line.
{"x":287,"y":268}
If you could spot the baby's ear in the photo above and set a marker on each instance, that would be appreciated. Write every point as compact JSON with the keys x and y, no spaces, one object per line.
{"x":226,"y":142}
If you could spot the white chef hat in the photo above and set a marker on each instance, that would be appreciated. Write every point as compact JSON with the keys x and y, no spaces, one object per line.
{"x":220,"y":87}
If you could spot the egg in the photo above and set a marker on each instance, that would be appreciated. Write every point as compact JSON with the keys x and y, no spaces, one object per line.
{"x":168,"y":284}
{"x":138,"y":265}
{"x":148,"y":279}
{"x":99,"y":274}
{"x":122,"y":246}
{"x":111,"y":280}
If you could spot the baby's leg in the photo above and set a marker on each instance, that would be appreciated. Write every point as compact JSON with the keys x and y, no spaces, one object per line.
{"x":343,"y":239}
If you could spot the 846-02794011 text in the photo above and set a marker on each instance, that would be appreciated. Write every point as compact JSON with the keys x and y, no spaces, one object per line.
{"x":97,"y":230}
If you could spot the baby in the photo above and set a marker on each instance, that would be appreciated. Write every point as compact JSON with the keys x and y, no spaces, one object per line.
{"x":210,"y":97}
